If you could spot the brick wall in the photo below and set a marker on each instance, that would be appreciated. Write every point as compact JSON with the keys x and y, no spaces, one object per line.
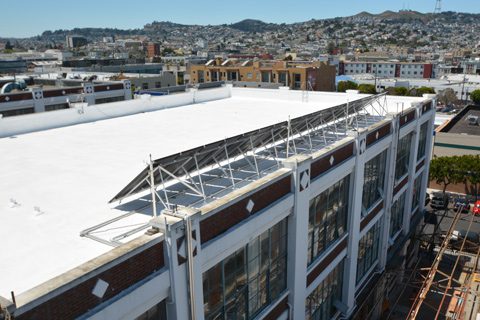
{"x":78,"y":300}
{"x":331,"y":160}
{"x":225,"y":219}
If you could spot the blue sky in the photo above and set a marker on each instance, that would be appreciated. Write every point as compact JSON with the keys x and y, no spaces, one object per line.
{"x":32,"y":17}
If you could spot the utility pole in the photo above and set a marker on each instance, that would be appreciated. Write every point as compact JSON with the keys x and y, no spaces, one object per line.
{"x":463,"y":88}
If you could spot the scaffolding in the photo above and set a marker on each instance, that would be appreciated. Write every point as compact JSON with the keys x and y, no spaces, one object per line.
{"x":445,"y":284}
{"x":197,"y":176}
{"x":204,"y":174}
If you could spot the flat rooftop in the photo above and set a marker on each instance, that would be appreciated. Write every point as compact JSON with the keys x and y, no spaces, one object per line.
{"x":460,"y":123}
{"x":57,"y":182}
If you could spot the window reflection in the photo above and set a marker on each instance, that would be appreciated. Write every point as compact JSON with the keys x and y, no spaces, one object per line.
{"x":368,"y":251}
{"x":374,"y":179}
{"x":247,"y":281}
{"x":403,"y":156}
{"x":319,"y":305}
{"x":327,"y":218}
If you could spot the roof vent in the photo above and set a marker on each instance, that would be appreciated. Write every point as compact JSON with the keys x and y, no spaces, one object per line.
{"x":472,"y":120}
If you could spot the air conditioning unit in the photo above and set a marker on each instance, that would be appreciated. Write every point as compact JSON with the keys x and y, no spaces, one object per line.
{"x":472,"y":120}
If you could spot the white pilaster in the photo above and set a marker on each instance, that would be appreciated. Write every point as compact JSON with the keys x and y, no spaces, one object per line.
{"x":127,"y":89}
{"x":412,"y":166}
{"x":388,"y":193}
{"x":38,"y":102}
{"x":89,"y":94}
{"x":298,"y":235}
{"x":174,"y":229}
{"x":354,"y":218}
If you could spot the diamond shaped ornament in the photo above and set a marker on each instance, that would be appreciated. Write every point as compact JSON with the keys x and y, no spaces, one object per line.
{"x":250,"y":205}
{"x":100,"y":288}
{"x":305,"y":180}
{"x":332,"y":160}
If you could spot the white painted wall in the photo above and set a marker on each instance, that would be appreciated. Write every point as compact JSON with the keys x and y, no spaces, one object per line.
{"x":10,"y":126}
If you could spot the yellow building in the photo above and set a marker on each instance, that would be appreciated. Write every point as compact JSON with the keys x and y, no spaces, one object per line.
{"x":317,"y":76}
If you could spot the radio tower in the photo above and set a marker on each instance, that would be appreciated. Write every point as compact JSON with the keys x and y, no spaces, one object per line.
{"x":438,"y":7}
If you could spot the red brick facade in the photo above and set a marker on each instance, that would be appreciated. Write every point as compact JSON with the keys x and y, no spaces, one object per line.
{"x":225,"y":219}
{"x":78,"y":300}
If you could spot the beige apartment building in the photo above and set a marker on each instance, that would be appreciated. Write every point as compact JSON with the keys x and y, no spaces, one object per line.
{"x":315,"y":76}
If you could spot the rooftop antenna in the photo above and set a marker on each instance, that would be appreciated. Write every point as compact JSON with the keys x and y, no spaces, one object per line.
{"x":438,"y":7}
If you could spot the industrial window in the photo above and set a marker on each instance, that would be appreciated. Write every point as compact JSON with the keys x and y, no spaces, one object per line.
{"x":396,"y":217}
{"x":144,"y":86}
{"x":297,"y":81}
{"x":158,"y":84}
{"x":403,"y":156}
{"x":265,"y":76}
{"x":282,"y":78}
{"x":416,"y":191}
{"x":327,"y":219}
{"x":249,"y":75}
{"x":53,"y":107}
{"x":319,"y":305}
{"x":374,"y":179}
{"x":422,"y":141}
{"x":368,"y":251}
{"x":108,"y":100}
{"x":157,"y":312}
{"x":17,"y":112}
{"x":201,"y":78}
{"x":243,"y":284}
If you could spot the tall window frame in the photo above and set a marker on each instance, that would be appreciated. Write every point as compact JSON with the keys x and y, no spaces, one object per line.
{"x":374,"y":180}
{"x":247,"y":281}
{"x":422,"y":141}
{"x":396,"y":215}
{"x":417,"y":185}
{"x":327,"y":219}
{"x":368,"y":250}
{"x":319,"y":305}
{"x":403,"y":156}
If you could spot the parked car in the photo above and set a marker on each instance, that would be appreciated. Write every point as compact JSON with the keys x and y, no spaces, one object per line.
{"x":461,"y":203}
{"x":439,"y":201}
{"x":427,"y":198}
{"x":476,"y":208}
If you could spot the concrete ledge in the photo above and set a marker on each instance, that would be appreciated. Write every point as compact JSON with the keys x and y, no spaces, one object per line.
{"x":70,"y":279}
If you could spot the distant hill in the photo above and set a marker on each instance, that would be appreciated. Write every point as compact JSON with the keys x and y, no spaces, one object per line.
{"x":392,"y":16}
{"x":250,"y":25}
{"x":447,"y":29}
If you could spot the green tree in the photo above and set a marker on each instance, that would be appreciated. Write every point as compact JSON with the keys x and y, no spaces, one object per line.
{"x":346,"y":85}
{"x":367,"y":88}
{"x":418,"y":92}
{"x":167,"y":51}
{"x":469,"y":166}
{"x":397,"y":91}
{"x":8,"y":45}
{"x":475,"y":96}
{"x":445,"y":171}
{"x":331,"y":47}
{"x":447,"y":96}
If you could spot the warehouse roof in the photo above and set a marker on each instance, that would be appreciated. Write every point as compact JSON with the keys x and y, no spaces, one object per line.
{"x":57,"y":182}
